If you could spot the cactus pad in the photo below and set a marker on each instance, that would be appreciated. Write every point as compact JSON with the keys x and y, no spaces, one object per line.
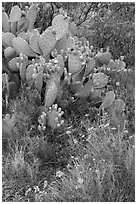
{"x":42,"y":121}
{"x":108,"y":99}
{"x":76,"y":87}
{"x":21,"y":46}
{"x":15,"y":14}
{"x":54,"y":115}
{"x":33,"y":42}
{"x":104,"y":58}
{"x":111,"y":64}
{"x":29,"y":74}
{"x":7,"y":39}
{"x":50,"y":94}
{"x":100,"y":80}
{"x":4,"y":79}
{"x":117,"y":106}
{"x":74,"y":63}
{"x":23,"y":66}
{"x":14,"y":27}
{"x":31,"y":15}
{"x":120,"y":65}
{"x":13,"y":66}
{"x":65,"y":43}
{"x":47,"y":42}
{"x":61,"y":26}
{"x":9,"y":52}
{"x":12,"y":90}
{"x":24,"y":36}
{"x":39,"y":80}
{"x":8,"y":124}
{"x":5,"y":22}
{"x":85,"y":90}
{"x":73,"y":28}
{"x":60,"y":64}
{"x":22,"y":24}
{"x":90,"y":65}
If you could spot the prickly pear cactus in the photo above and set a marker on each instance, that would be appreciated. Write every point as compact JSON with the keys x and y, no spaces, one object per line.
{"x":60,"y":60}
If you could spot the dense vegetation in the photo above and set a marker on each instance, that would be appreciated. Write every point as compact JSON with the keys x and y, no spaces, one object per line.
{"x":88,"y":155}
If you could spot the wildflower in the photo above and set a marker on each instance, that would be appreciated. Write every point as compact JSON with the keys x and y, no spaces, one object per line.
{"x":106,"y":125}
{"x":27,"y":191}
{"x":45,"y":184}
{"x":80,"y":180}
{"x":59,"y":174}
{"x":75,"y":141}
{"x":68,"y":132}
{"x":117,"y":83}
{"x":36,"y":188}
{"x":108,"y":68}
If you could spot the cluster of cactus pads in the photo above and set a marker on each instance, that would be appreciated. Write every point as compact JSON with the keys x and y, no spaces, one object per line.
{"x":55,"y":57}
